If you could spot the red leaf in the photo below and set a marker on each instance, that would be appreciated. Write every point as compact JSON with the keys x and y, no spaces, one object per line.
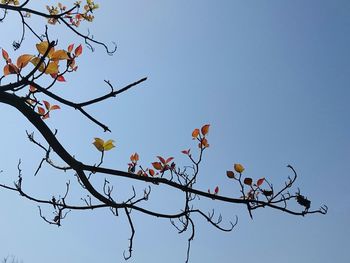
{"x":216,"y":190}
{"x":78,"y":51}
{"x":32,"y":88}
{"x":186,"y":151}
{"x":169,"y":159}
{"x":70,"y":48}
{"x":41,"y":111}
{"x":47,"y":104}
{"x":61,"y":78}
{"x":5,"y":55}
{"x":161,"y":159}
{"x":260,"y":181}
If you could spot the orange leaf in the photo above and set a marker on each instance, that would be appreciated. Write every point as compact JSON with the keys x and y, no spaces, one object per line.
{"x":23,"y":60}
{"x":60,"y":78}
{"x":59,"y":55}
{"x":205,"y":129}
{"x":151,"y":172}
{"x":5,"y":55}
{"x":157,"y":165}
{"x":195,"y":133}
{"x":78,"y":51}
{"x":10,"y":69}
{"x":55,"y":107}
{"x":260,"y":181}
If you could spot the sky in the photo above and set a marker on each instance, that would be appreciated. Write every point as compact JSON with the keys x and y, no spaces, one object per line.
{"x":270,"y":77}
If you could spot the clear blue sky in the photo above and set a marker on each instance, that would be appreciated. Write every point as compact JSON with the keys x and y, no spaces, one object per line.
{"x":271,"y":77}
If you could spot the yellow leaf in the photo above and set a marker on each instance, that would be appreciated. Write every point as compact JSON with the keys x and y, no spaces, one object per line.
{"x":238,"y":168}
{"x":108,"y":145}
{"x":23,"y":60}
{"x":42,"y":48}
{"x":59,"y":55}
{"x":52,"y":68}
{"x":99,"y":144}
{"x":35,"y":61}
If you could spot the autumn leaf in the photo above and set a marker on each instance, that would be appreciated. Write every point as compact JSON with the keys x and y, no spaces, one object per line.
{"x":157,"y":165}
{"x":32,"y":88}
{"x":47,"y":104}
{"x":35,"y":61}
{"x":161,"y":159}
{"x":238,"y":168}
{"x":42,"y":48}
{"x":187,"y":152}
{"x":101,"y":145}
{"x":169,"y":160}
{"x":55,"y":107}
{"x":78,"y":51}
{"x":41,"y":111}
{"x":230,"y":174}
{"x":203,"y":143}
{"x":248,"y":181}
{"x":59,"y":55}
{"x":60,"y":78}
{"x":5,"y":55}
{"x":260,"y":181}
{"x":195,"y":133}
{"x":23,"y":60}
{"x":52,"y":68}
{"x":205,"y":129}
{"x":10,"y":69}
{"x":134,"y":158}
{"x":216,"y":190}
{"x":70,"y":48}
{"x":151,"y":172}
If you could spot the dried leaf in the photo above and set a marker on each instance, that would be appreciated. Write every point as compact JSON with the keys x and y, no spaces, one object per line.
{"x":187,"y":152}
{"x":169,"y":160}
{"x":55,"y":107}
{"x":248,"y":181}
{"x":230,"y":174}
